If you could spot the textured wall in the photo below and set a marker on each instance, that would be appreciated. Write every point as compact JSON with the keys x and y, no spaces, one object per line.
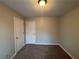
{"x":70,"y":32}
{"x":6,"y":32}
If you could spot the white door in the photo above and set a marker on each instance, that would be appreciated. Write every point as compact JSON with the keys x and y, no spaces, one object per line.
{"x":30,"y":32}
{"x":18,"y":33}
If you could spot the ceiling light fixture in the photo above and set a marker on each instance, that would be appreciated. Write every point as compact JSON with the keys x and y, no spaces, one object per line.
{"x":42,"y":2}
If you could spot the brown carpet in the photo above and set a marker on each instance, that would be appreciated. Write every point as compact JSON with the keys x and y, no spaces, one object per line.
{"x":41,"y":52}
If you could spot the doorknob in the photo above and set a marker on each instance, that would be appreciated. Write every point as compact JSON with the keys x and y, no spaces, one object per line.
{"x":17,"y":38}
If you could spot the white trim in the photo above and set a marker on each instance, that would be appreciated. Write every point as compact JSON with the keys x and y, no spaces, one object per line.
{"x":13,"y":56}
{"x":66,"y":51}
{"x":29,"y":43}
{"x":14,"y":35}
{"x":44,"y":43}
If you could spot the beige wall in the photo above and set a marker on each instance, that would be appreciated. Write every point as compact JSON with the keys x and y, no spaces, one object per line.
{"x":46,"y":29}
{"x":70,"y":32}
{"x":6,"y":32}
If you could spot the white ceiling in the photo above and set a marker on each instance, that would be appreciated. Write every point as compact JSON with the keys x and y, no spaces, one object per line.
{"x":30,"y":8}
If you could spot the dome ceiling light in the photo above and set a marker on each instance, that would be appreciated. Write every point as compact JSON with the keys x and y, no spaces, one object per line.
{"x":42,"y":2}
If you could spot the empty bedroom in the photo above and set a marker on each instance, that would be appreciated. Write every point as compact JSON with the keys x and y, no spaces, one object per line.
{"x":39,"y":29}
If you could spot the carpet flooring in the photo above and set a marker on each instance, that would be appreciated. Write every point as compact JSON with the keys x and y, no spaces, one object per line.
{"x":42,"y":52}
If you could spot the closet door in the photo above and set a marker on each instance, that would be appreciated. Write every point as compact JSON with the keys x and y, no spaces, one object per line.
{"x":30,"y":32}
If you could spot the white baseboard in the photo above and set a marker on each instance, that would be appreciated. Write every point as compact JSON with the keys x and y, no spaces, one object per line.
{"x":13,"y":56}
{"x":66,"y":51}
{"x":44,"y":43}
{"x":15,"y":53}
